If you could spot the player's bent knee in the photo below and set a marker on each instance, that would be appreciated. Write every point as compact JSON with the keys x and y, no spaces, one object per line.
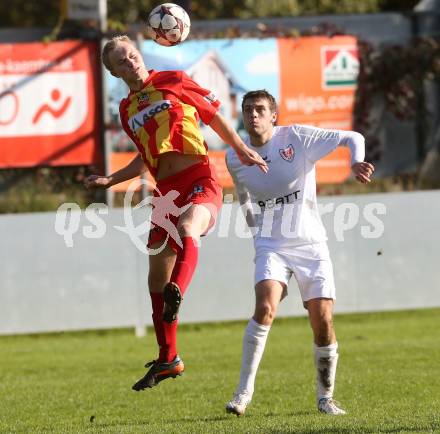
{"x":190,"y":229}
{"x":195,"y":223}
{"x":185,"y":229}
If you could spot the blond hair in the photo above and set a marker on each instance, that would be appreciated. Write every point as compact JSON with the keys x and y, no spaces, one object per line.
{"x":110,"y":46}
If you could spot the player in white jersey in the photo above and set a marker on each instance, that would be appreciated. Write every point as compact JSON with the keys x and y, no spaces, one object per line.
{"x":289,"y":237}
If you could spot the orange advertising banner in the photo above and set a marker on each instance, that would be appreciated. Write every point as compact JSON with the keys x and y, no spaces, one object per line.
{"x":217,"y":159}
{"x":48,"y":104}
{"x":318,"y":81}
{"x":317,"y":87}
{"x":118,"y":160}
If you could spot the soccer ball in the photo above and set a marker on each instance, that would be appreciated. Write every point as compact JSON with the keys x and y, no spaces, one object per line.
{"x":168,"y":24}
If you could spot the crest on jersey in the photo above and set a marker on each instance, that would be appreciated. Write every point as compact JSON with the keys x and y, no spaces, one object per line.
{"x":197,"y":189}
{"x":288,"y":153}
{"x":142,"y":97}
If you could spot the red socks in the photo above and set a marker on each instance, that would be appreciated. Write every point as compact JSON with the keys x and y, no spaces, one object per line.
{"x":183,"y":271}
{"x":186,"y":262}
{"x":165,"y":333}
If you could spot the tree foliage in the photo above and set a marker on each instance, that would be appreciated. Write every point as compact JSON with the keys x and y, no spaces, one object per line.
{"x":263,"y":8}
{"x":25,"y":13}
{"x":397,"y":74}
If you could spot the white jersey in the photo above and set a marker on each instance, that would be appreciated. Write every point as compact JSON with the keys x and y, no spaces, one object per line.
{"x":283,"y":206}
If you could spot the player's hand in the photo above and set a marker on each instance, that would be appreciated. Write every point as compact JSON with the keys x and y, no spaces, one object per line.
{"x":363,"y":171}
{"x":249,"y":157}
{"x":96,"y":181}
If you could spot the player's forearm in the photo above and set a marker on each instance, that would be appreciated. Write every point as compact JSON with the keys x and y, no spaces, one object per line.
{"x":226,"y":132}
{"x":246,"y":207}
{"x":250,"y":218}
{"x":356,"y":142}
{"x":133,"y":169}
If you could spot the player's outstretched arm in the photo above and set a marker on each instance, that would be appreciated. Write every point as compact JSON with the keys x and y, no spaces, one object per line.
{"x":246,"y":155}
{"x":363,"y":171}
{"x":135,"y":168}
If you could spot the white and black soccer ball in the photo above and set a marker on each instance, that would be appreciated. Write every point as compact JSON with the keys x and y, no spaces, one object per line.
{"x":168,"y":24}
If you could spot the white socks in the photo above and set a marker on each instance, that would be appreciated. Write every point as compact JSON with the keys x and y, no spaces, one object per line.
{"x":254,"y":341}
{"x":326,"y":360}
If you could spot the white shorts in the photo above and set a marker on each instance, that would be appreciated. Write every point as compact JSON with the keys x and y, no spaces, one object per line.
{"x":310,"y":263}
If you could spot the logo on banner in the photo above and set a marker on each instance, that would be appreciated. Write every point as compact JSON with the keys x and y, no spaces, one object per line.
{"x":59,"y":104}
{"x":50,"y":108}
{"x":339,"y":66}
{"x":288,"y":153}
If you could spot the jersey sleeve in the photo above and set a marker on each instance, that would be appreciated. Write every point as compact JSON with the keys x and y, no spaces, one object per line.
{"x":204,"y":101}
{"x":319,"y":142}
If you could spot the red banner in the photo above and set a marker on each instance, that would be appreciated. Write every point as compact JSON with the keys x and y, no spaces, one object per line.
{"x":48,"y":104}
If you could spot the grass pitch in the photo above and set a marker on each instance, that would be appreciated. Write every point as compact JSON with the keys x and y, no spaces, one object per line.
{"x":388,"y":380}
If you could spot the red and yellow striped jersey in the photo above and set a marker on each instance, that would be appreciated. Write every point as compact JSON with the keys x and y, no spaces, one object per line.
{"x":164,"y":116}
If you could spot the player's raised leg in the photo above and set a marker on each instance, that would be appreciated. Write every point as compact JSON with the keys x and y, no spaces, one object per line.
{"x":268,"y":295}
{"x":192,"y":223}
{"x":168,"y":364}
{"x":325,"y":353}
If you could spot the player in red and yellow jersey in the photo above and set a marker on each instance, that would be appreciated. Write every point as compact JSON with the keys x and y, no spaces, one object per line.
{"x":164,"y":116}
{"x":161,"y":115}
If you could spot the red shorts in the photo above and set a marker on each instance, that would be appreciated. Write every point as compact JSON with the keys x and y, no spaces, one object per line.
{"x":197,"y":184}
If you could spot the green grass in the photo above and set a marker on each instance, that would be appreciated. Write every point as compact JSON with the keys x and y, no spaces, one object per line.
{"x":388,"y":380}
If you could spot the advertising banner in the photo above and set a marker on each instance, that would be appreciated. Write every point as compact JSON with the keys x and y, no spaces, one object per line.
{"x":318,"y":81}
{"x":317,"y":86}
{"x":48,"y":106}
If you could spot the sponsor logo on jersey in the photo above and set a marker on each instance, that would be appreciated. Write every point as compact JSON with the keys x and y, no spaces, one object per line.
{"x":282,"y":200}
{"x":288,"y":153}
{"x":142,"y":97}
{"x":211,"y":98}
{"x":197,"y":189}
{"x":138,"y":120}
